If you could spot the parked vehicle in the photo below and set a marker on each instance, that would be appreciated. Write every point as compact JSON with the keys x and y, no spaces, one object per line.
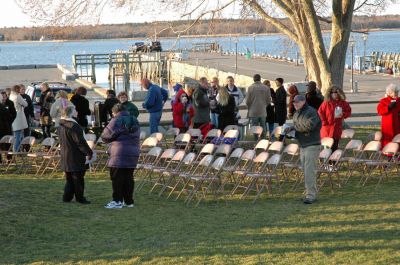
{"x":138,"y":46}
{"x":33,"y":90}
{"x":155,"y":46}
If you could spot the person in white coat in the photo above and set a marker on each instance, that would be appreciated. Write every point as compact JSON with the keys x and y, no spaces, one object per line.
{"x":58,"y":106}
{"x":20,"y":123}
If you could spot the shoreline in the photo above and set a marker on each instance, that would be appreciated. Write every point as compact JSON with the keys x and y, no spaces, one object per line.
{"x":185,"y":36}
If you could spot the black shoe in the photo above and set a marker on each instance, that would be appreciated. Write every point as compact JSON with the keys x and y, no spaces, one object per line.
{"x":308,"y":201}
{"x":84,"y":202}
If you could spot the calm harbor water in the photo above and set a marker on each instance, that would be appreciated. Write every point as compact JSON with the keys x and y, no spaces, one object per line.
{"x":17,"y":53}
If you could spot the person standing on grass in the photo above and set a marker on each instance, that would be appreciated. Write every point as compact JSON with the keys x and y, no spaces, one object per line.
{"x":58,"y":106}
{"x":307,"y":126}
{"x":212,"y":96}
{"x":201,"y":104}
{"x":280,"y":103}
{"x":182,"y":109}
{"x":270,"y":110}
{"x":313,"y":97}
{"x":225,"y":108}
{"x":73,"y":150}
{"x":332,"y":113}
{"x":82,"y":106}
{"x":45,"y":102}
{"x":20,"y":123}
{"x":257,"y":99}
{"x":128,"y":105}
{"x":29,"y":111}
{"x":236,"y":93}
{"x":123,"y":135}
{"x":109,"y":103}
{"x":389,"y":109}
{"x":154,"y":103}
{"x":6,"y":120}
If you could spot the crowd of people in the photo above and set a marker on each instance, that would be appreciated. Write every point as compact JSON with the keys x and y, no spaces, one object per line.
{"x":200,"y":105}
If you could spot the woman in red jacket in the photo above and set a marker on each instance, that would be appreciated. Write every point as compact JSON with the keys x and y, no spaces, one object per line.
{"x":332,"y":113}
{"x":182,"y":109}
{"x":389,"y":109}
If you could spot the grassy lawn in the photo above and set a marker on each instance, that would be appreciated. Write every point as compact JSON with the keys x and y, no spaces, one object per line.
{"x":352,"y":226}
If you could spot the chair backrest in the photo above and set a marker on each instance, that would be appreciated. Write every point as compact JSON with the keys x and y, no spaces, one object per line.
{"x":189,"y":158}
{"x":375,"y":136}
{"x":372,"y":146}
{"x":207,"y":149}
{"x":29,"y":140}
{"x":354,"y":144}
{"x":237,"y":153}
{"x":168,"y":154}
{"x":324,"y":154}
{"x":218,"y":163}
{"x":336,"y":156}
{"x":206,"y":161}
{"x":291,"y":149}
{"x":231,"y":133}
{"x":256,"y":130}
{"x":155,"y":151}
{"x":347,"y":134}
{"x":183,"y":137}
{"x":261,"y":157}
{"x":6,"y":139}
{"x":159,"y":136}
{"x":150,"y":142}
{"x":179,"y":155}
{"x":48,"y":142}
{"x":248,"y":155}
{"x":396,"y":138}
{"x":143,"y":135}
{"x":262,"y":145}
{"x":230,"y":127}
{"x":90,"y":137}
{"x":274,"y":160}
{"x":390,"y":148}
{"x":327,"y":142}
{"x":277,"y":131}
{"x":276,"y":147}
{"x":223,"y":150}
{"x":172,"y":132}
{"x":212,"y":134}
{"x":194,"y":133}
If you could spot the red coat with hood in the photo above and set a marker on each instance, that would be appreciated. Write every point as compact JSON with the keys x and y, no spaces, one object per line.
{"x":390,"y":124}
{"x":178,"y":109}
{"x":331,"y":126}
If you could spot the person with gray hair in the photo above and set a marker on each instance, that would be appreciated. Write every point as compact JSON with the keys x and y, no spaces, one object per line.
{"x":73,"y":150}
{"x":389,"y":109}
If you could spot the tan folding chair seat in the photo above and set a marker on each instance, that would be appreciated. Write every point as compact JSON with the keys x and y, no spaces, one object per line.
{"x":18,"y":158}
{"x":330,"y":167}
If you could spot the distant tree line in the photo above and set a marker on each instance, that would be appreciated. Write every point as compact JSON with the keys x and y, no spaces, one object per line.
{"x":170,"y":29}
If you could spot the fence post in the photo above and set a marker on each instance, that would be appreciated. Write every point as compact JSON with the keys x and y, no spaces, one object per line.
{"x":93,"y":69}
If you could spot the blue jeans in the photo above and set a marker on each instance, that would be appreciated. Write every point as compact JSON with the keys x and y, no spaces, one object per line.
{"x":155,"y":118}
{"x":18,"y":136}
{"x":214,"y":119}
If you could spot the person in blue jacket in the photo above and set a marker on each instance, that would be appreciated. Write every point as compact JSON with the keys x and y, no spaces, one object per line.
{"x":154,"y":103}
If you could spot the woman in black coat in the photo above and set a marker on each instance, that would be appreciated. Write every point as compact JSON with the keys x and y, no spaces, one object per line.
{"x":270,"y":108}
{"x":280,"y":103}
{"x":225,"y":108}
{"x":82,"y":106}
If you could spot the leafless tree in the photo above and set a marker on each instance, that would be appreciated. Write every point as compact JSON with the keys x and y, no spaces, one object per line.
{"x":323,"y":64}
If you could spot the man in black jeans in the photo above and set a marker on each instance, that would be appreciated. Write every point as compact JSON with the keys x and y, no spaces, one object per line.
{"x":74,"y":150}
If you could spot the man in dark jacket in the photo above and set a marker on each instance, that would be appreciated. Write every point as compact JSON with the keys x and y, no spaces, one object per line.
{"x":307,"y":125}
{"x":29,"y":114}
{"x":280,"y":102}
{"x":201,"y":104}
{"x":45,"y":102}
{"x":82,"y":106}
{"x":154,"y":103}
{"x":109,"y":103}
{"x":73,"y":150}
{"x":313,"y":97}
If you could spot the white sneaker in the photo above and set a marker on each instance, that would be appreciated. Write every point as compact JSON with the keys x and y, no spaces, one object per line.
{"x":128,"y":205}
{"x":114,"y":205}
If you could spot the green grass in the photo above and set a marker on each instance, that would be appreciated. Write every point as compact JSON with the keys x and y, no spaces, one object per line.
{"x":352,"y":226}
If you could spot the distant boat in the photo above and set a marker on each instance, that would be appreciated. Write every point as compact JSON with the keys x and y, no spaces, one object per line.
{"x":43,"y":38}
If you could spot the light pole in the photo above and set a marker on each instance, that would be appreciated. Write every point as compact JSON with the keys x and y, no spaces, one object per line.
{"x":254,"y":43}
{"x":352,"y":43}
{"x":230,"y":42}
{"x":365,"y":38}
{"x":236,"y":54}
{"x":179,"y":43}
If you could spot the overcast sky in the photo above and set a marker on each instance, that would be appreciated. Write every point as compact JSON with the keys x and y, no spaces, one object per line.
{"x":12,"y":16}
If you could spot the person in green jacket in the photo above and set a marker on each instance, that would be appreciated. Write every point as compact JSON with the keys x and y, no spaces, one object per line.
{"x":127,"y":105}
